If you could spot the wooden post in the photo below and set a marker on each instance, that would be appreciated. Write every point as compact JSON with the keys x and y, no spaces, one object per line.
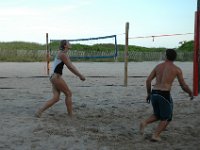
{"x":47,"y":54}
{"x":126,"y":56}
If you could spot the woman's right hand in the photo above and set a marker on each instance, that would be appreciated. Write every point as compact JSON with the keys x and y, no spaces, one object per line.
{"x":82,"y":78}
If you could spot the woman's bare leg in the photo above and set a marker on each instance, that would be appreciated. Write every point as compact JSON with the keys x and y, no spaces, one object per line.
{"x":62,"y":86}
{"x":68,"y":103}
{"x":49,"y":103}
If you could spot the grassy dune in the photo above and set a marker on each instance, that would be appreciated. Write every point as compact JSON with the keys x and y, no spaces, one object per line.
{"x":30,"y":52}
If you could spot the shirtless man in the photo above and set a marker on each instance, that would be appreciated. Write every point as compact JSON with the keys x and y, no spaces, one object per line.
{"x":164,"y":74}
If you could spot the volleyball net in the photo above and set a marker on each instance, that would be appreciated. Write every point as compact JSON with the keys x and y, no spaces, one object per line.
{"x":89,"y":48}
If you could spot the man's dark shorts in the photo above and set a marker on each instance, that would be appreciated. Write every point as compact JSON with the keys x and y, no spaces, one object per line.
{"x":162,"y":104}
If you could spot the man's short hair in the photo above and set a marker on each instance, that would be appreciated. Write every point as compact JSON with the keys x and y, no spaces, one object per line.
{"x":171,"y":54}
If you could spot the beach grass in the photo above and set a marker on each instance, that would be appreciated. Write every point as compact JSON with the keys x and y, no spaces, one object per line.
{"x":35,"y":52}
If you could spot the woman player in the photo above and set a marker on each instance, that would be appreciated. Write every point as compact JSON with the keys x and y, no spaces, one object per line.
{"x":58,"y":84}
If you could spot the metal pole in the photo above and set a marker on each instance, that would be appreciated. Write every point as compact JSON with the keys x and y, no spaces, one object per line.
{"x":198,"y":12}
{"x":196,"y":71}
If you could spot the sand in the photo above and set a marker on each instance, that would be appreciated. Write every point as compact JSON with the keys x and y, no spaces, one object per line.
{"x":106,"y":114}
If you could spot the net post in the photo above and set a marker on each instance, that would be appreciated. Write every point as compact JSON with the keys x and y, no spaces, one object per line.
{"x":198,"y":10}
{"x":196,"y":60}
{"x":47,"y":53}
{"x":116,"y":49}
{"x":126,"y":55}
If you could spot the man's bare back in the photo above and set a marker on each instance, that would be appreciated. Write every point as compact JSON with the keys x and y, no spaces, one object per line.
{"x":165,"y":73}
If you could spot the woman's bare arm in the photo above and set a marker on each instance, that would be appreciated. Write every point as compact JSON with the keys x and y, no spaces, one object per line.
{"x":65,"y":58}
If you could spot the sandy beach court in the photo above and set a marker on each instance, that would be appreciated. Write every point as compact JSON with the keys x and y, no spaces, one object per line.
{"x":106,"y":114}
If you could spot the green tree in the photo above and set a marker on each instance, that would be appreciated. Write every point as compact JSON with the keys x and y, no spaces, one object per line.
{"x":186,"y":46}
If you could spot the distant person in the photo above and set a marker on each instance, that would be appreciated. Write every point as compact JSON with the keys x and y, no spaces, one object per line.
{"x":58,"y":84}
{"x":164,"y":74}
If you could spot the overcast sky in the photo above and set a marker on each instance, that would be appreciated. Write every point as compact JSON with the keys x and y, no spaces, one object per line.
{"x":29,"y":20}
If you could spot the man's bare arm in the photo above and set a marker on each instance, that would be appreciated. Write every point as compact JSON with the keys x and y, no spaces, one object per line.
{"x":148,"y":84}
{"x":149,"y":80}
{"x":183,"y":85}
